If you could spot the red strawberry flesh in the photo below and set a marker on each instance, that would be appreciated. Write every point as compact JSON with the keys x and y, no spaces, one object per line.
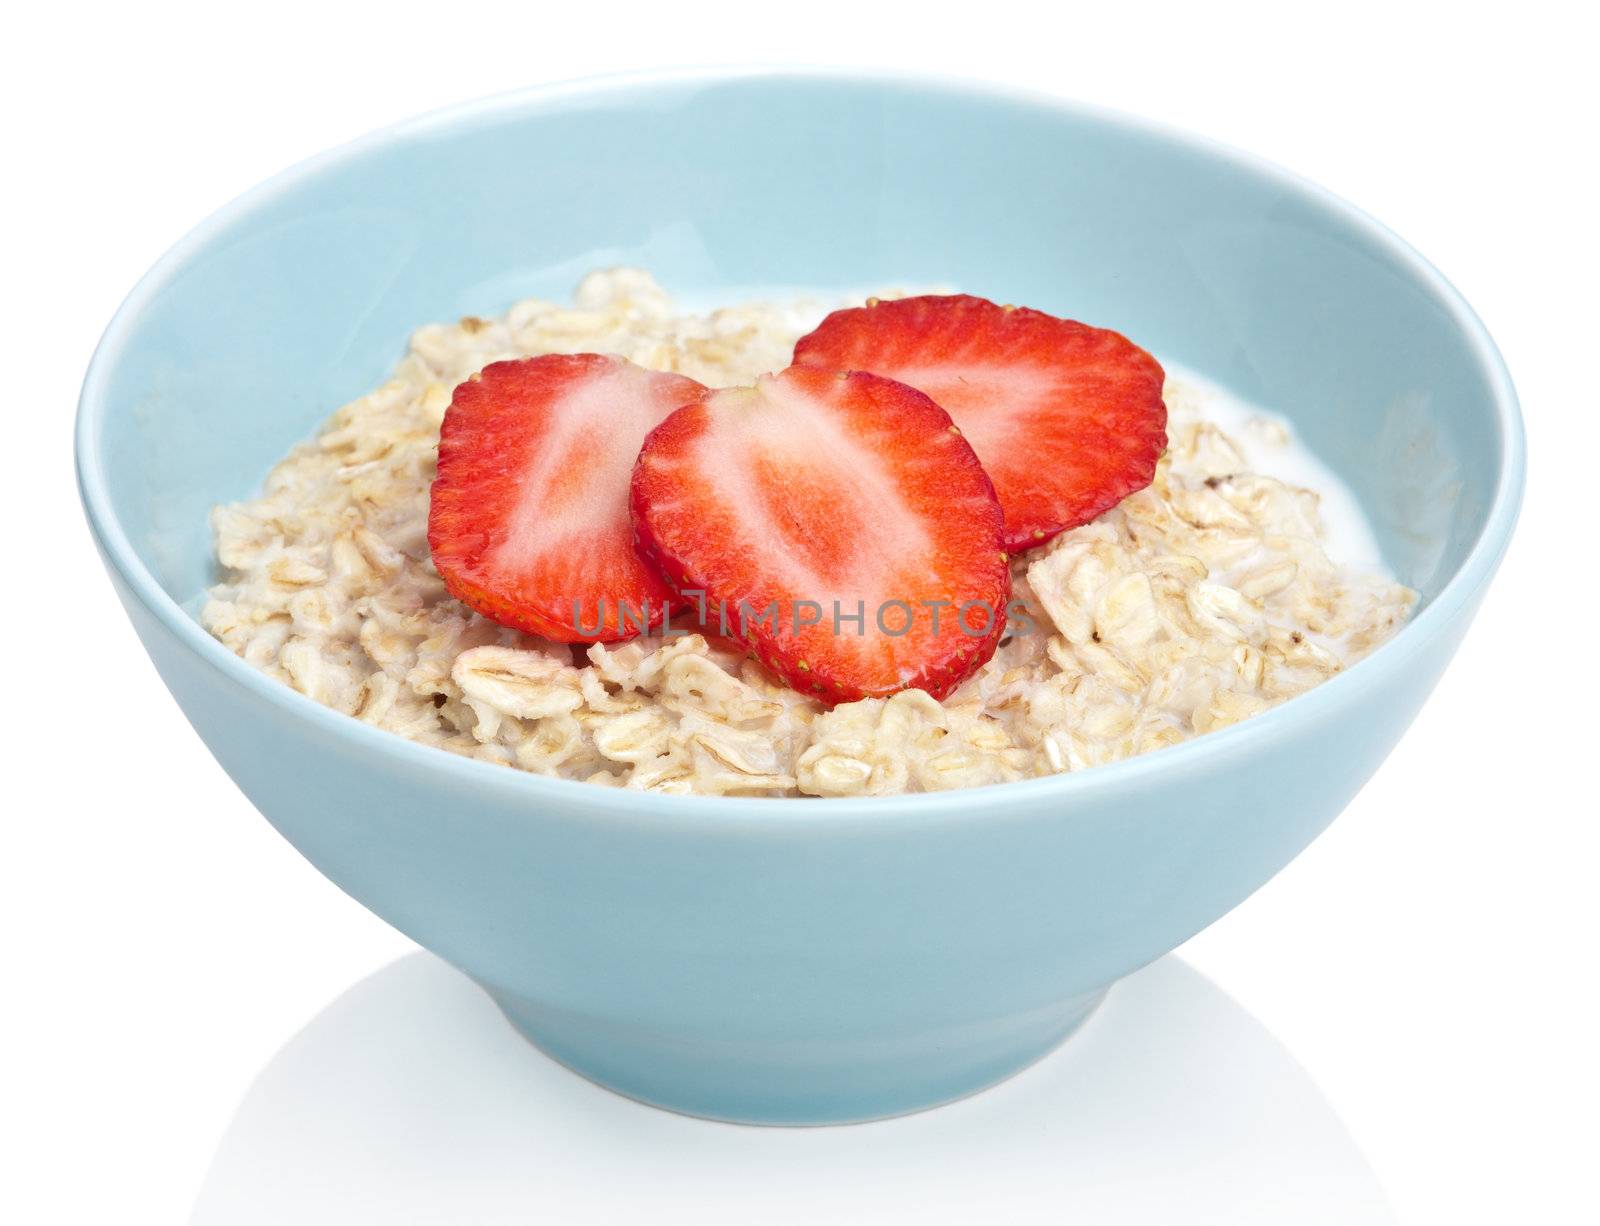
{"x":529,"y":521}
{"x":1067,"y":419}
{"x":815,"y":493}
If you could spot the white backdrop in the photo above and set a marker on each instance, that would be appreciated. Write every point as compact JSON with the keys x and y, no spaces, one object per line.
{"x":1421,"y":979}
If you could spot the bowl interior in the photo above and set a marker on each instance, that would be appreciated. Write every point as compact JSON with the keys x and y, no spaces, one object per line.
{"x":301,"y":296}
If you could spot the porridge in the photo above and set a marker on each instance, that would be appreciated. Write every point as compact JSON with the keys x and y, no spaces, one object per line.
{"x":1203,"y":598}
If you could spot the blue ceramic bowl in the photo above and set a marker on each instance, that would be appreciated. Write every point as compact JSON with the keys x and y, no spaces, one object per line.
{"x":808,"y":960}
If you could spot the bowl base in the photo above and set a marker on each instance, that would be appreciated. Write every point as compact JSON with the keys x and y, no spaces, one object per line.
{"x":799,"y":1082}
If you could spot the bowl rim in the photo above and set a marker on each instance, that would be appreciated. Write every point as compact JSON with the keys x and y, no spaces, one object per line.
{"x":782,"y":814}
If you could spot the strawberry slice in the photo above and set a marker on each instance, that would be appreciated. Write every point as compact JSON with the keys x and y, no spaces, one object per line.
{"x":838,"y":524}
{"x":529,"y":516}
{"x":1067,"y":419}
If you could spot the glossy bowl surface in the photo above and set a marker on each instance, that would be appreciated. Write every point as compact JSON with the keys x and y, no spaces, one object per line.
{"x":796,"y":961}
